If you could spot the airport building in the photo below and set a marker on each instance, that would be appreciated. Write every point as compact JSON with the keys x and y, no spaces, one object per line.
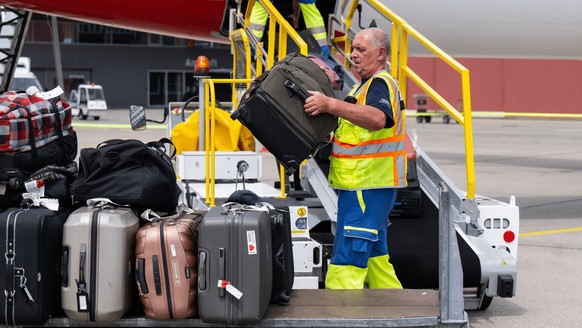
{"x":133,"y":67}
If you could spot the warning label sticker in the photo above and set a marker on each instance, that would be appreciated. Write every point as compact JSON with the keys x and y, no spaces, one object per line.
{"x":251,"y":242}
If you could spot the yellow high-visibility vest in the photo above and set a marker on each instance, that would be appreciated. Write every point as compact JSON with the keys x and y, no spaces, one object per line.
{"x":364,"y":159}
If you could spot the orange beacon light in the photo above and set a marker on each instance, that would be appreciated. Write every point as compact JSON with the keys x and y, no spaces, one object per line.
{"x":202,"y":65}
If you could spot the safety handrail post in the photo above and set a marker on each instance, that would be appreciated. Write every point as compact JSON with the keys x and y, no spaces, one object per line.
{"x":468,"y":118}
{"x":394,"y":69}
{"x":451,"y":305}
{"x":208,"y":120}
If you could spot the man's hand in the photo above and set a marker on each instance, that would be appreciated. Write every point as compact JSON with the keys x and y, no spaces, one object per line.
{"x":318,"y":103}
{"x":295,"y":20}
{"x":296,"y":12}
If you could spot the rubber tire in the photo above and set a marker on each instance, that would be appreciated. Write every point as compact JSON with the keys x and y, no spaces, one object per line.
{"x":96,"y":118}
{"x":446,"y":119}
{"x":427,"y":119}
{"x":419,"y":119}
{"x":14,"y":182}
{"x":485,"y":303}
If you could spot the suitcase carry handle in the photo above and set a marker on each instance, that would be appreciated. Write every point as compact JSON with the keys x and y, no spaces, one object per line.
{"x":294,"y":89}
{"x":65,"y":268}
{"x":202,"y":280}
{"x":140,"y":276}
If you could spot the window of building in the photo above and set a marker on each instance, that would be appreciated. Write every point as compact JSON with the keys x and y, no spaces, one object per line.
{"x":157,"y":89}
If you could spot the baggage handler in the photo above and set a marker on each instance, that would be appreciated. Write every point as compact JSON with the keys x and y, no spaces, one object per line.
{"x":312,"y":16}
{"x":367,"y":164}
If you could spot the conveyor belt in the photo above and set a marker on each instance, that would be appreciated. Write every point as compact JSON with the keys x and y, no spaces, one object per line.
{"x":319,"y":308}
{"x":413,"y":244}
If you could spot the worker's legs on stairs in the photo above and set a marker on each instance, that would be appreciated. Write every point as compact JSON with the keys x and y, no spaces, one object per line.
{"x":361,"y":233}
{"x":259,"y":18}
{"x":345,"y":277}
{"x":314,"y":22}
{"x":381,"y":273}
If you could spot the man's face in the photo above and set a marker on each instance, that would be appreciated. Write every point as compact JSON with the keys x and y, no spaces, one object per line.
{"x":364,"y":54}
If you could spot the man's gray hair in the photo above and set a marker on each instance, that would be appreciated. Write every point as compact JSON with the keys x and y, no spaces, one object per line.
{"x":380,"y":39}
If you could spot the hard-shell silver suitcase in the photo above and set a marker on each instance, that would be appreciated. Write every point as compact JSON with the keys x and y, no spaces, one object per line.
{"x":234,"y":265}
{"x":98,"y":256}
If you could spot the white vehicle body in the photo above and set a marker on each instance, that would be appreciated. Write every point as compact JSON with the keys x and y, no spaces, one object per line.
{"x":88,"y":100}
{"x":24,"y":77}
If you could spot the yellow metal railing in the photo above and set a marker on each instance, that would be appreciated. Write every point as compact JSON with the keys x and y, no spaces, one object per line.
{"x":401,"y":30}
{"x":210,"y":132}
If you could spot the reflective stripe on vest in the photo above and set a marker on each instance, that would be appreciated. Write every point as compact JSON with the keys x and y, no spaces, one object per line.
{"x":364,"y":159}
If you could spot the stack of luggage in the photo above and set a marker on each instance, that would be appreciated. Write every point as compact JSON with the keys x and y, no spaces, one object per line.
{"x":38,"y":146}
{"x":94,"y":241}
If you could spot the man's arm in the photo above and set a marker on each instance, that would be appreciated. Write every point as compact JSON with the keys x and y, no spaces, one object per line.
{"x":379,"y":96}
{"x":296,"y":13}
{"x":368,"y":117}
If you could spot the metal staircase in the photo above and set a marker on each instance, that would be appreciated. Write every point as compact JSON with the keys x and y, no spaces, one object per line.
{"x":13,"y":27}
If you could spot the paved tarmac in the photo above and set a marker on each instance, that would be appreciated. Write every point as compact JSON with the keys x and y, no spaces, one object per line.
{"x":537,"y":161}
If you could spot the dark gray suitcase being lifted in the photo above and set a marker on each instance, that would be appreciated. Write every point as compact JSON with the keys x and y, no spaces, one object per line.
{"x":273,"y":110}
{"x":234,"y":247}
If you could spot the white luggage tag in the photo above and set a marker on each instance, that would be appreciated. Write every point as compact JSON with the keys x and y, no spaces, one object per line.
{"x":56,"y":92}
{"x":82,"y":295}
{"x":35,"y":200}
{"x":35,"y":186}
{"x":229,"y":288}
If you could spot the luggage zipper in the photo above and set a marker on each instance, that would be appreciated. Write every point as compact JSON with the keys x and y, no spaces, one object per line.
{"x":9,"y":256}
{"x":165,"y":265}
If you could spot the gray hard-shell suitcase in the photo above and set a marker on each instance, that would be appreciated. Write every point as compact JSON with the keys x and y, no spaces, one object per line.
{"x":98,"y":256}
{"x":234,"y":255}
{"x":30,"y":269}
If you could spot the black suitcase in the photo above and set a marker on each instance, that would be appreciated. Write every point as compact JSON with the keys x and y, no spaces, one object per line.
{"x":234,"y":265}
{"x":283,"y":268}
{"x":281,"y":244}
{"x":272,"y":109}
{"x":30,"y":272}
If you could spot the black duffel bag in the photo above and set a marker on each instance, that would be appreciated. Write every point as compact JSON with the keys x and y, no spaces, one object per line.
{"x":129,"y":172}
{"x":55,"y":179}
